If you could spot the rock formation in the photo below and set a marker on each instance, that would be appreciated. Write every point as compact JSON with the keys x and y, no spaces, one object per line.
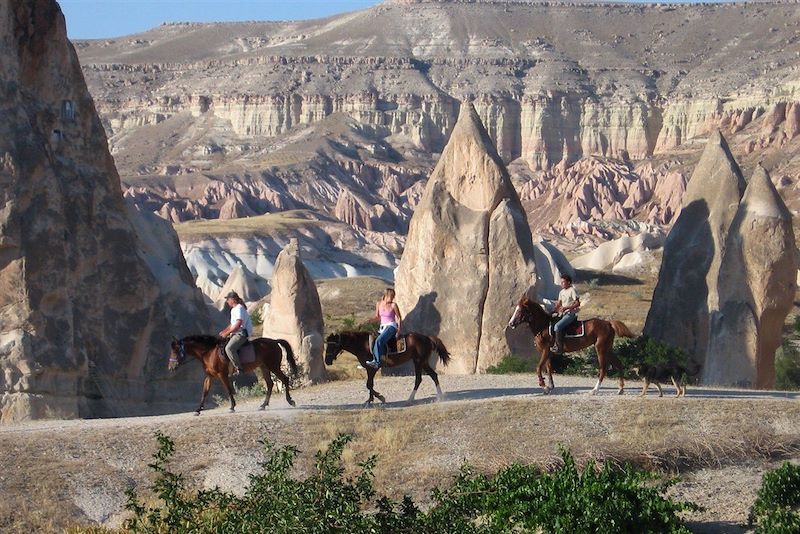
{"x":469,"y":254}
{"x":550,"y":265}
{"x":249,"y":286}
{"x":757,"y":283}
{"x":87,"y":306}
{"x":686,"y":292}
{"x":621,"y":253}
{"x":295,"y":313}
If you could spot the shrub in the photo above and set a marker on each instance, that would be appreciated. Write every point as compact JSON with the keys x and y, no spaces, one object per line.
{"x":256,"y":317}
{"x":517,"y":499}
{"x":512,"y":364}
{"x":787,"y":366}
{"x":775,"y":510}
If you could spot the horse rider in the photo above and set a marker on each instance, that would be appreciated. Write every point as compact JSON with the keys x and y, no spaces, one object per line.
{"x":238,"y":330}
{"x":387,"y":311}
{"x":566,"y":311}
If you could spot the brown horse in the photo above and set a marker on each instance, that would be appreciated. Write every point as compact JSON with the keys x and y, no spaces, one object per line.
{"x":207,"y":350}
{"x":419,"y":349}
{"x":598,"y":332}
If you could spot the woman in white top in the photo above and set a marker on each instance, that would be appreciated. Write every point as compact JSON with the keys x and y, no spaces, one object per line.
{"x":238,"y":330}
{"x":567,"y":307}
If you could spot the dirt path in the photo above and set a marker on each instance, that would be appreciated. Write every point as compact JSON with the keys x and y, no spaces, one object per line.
{"x":56,"y":473}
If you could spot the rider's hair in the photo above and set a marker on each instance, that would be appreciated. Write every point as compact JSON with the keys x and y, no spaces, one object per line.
{"x":567,"y":277}
{"x":388,"y":292}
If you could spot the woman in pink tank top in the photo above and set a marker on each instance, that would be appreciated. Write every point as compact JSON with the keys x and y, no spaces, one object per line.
{"x":389,"y":314}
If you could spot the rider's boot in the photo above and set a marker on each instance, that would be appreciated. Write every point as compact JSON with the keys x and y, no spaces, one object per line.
{"x":558,"y":344}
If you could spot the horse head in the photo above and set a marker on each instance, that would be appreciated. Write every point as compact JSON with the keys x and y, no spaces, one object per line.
{"x":333,"y":347}
{"x":177,"y":354}
{"x":527,"y":311}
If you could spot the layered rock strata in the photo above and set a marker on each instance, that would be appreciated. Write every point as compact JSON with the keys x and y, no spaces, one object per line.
{"x":295,"y":312}
{"x":757,"y":284}
{"x":469,"y":254}
{"x":686,"y":293}
{"x":87,"y":305}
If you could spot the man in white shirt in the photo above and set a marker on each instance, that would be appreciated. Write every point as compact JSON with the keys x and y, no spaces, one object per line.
{"x":567,"y":306}
{"x":238,"y":330}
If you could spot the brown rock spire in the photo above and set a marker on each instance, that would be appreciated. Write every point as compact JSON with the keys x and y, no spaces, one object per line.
{"x":686,"y":292}
{"x":757,"y":283}
{"x":469,"y":254}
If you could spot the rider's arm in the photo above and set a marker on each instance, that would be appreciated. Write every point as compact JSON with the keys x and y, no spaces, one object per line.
{"x":575,"y":305}
{"x":399,"y":318}
{"x":377,"y":311}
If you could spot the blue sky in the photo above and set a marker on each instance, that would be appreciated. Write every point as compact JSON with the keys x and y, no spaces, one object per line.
{"x":91,"y":19}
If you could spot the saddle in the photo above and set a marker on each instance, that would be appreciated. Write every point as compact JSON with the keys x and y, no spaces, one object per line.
{"x":247,"y":354}
{"x":576,"y":329}
{"x":394,"y":345}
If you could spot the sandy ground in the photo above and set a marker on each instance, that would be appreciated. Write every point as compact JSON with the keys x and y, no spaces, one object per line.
{"x":83,"y":466}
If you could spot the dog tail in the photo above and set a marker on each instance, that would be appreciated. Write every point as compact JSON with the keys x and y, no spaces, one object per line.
{"x":621,"y":330}
{"x":444,"y":355}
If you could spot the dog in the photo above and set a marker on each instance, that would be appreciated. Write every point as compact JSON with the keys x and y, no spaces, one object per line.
{"x":661,"y":372}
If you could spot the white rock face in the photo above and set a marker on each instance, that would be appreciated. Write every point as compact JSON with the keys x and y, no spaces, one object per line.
{"x":469,"y":255}
{"x":620,"y":254}
{"x":686,"y":293}
{"x":550,"y":265}
{"x":757,"y":283}
{"x":295,"y":313}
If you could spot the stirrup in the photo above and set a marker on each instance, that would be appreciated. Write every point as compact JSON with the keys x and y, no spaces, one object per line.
{"x":555,"y":350}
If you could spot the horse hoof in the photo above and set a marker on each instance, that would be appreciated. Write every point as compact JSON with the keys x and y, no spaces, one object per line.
{"x":292,"y":403}
{"x":232,"y":410}
{"x":368,"y":404}
{"x":262,"y":408}
{"x":197,"y":413}
{"x":547,"y":391}
{"x":621,"y":392}
{"x":593,"y":392}
{"x":382,"y":399}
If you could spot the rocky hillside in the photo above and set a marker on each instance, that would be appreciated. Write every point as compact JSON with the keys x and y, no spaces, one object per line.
{"x":601,"y":107}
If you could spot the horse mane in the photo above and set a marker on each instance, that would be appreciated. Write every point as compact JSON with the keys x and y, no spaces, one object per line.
{"x":207,"y":341}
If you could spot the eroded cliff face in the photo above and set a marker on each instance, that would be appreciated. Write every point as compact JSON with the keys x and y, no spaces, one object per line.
{"x":84,"y":305}
{"x":554,"y":84}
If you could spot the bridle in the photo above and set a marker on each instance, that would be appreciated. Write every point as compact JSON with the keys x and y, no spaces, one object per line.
{"x":525,"y":316}
{"x":338,"y":346}
{"x":181,"y":354}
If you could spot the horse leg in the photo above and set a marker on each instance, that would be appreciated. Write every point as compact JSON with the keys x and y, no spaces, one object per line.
{"x":229,"y":388}
{"x":285,"y":381}
{"x":206,"y":387}
{"x":601,"y":363}
{"x":551,"y":385}
{"x":269,"y":384}
{"x":431,"y":373}
{"x":417,"y":381}
{"x":544,"y":360}
{"x":371,"y":371}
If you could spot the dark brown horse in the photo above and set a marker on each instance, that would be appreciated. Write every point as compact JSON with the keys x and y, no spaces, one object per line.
{"x":207,"y":349}
{"x":598,"y":332}
{"x":419,"y":349}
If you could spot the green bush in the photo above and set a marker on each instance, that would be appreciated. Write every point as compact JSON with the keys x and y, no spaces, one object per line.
{"x":776,"y":510}
{"x":516,"y":499}
{"x":787,"y":366}
{"x":512,"y":364}
{"x":256,"y":316}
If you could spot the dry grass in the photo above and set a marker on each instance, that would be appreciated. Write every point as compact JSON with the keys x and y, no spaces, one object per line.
{"x":247,"y":226}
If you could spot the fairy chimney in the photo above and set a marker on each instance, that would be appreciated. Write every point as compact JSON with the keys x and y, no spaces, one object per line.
{"x":87,"y":296}
{"x":469,"y":255}
{"x":295,"y":313}
{"x":686,"y":291}
{"x":757,"y":283}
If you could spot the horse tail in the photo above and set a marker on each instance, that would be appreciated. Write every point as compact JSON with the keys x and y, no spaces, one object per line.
{"x":621,"y":330}
{"x":444,"y":354}
{"x":289,"y":356}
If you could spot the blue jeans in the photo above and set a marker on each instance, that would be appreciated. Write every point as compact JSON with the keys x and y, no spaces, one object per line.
{"x":384,"y":335}
{"x":566,"y":320}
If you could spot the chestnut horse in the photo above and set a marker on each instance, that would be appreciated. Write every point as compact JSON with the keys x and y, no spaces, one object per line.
{"x":419,"y":349}
{"x":207,"y":349}
{"x":598,"y":332}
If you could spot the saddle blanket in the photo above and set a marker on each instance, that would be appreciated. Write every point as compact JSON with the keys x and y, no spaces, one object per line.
{"x":576,"y":329}
{"x":247,"y":354}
